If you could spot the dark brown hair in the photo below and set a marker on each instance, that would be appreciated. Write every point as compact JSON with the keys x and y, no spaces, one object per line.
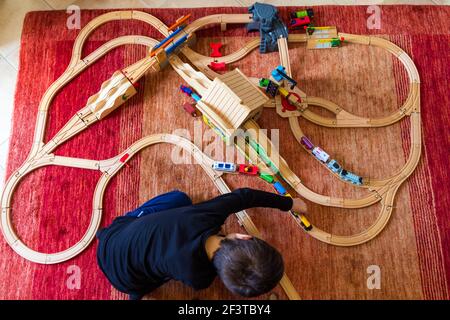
{"x":248,"y":267}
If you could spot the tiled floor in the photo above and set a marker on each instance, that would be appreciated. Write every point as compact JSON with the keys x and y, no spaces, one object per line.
{"x":12,"y":13}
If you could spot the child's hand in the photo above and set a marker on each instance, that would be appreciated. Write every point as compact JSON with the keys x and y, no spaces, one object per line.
{"x":299,"y":205}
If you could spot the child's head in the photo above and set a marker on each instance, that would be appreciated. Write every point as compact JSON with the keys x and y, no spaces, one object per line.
{"x":248,"y":266}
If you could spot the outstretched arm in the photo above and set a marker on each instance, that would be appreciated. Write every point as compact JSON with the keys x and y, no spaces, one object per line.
{"x":245,"y":198}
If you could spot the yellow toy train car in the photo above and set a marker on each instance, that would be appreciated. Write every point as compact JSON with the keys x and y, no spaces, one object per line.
{"x":305,"y":223}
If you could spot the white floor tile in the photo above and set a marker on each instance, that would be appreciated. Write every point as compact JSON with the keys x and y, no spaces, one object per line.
{"x":441,"y":2}
{"x":12,"y":13}
{"x":7,"y":87}
{"x":3,"y":156}
{"x":191,"y":3}
{"x":13,"y":58}
{"x":109,"y":4}
{"x":2,"y":177}
{"x":59,"y":4}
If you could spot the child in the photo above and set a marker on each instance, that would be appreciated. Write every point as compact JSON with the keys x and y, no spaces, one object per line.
{"x":168,"y":237}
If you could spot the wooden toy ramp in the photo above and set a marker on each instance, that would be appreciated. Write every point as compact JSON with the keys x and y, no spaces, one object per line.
{"x":117,"y":133}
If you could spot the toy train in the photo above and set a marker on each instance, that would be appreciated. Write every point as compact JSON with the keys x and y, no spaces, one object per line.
{"x":304,"y":13}
{"x":224,"y":166}
{"x":350,"y":177}
{"x":279,"y":188}
{"x":271,"y":87}
{"x":344,"y":174}
{"x":305,"y":223}
{"x":190,"y":108}
{"x":320,"y":154}
{"x":263,"y":82}
{"x":248,"y":169}
{"x":300,"y":23}
{"x":267,"y":177}
{"x":190,"y":93}
{"x":307,"y":143}
{"x":332,"y":164}
{"x":231,"y":167}
{"x":301,"y":19}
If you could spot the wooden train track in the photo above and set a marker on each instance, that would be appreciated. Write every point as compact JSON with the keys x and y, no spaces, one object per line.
{"x":381,"y":190}
{"x":41,"y":153}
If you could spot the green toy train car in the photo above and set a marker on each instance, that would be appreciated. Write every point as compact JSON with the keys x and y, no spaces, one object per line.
{"x":263,"y":82}
{"x":301,"y":14}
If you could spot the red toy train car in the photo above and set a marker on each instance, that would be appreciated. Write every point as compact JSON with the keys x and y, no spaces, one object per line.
{"x":299,"y":23}
{"x":248,"y":169}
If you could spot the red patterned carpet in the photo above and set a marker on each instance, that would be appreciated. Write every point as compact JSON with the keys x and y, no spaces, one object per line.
{"x":52,"y":206}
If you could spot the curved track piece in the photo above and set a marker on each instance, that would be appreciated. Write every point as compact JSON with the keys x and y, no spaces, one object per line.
{"x":41,"y":153}
{"x":41,"y":156}
{"x":382,"y":190}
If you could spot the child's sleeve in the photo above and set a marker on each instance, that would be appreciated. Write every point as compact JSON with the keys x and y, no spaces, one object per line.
{"x":245,"y":198}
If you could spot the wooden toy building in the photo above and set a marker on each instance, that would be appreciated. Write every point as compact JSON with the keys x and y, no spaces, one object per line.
{"x":230,"y":101}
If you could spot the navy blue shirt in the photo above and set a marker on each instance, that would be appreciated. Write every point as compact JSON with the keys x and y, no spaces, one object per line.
{"x":138,"y":255}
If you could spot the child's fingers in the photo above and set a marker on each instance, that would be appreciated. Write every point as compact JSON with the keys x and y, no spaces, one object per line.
{"x":299,"y":205}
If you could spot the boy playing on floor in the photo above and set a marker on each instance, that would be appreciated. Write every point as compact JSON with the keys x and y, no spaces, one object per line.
{"x":168,"y":237}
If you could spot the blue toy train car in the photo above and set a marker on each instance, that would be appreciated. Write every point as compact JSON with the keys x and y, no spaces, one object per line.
{"x":279,"y":188}
{"x":350,"y":177}
{"x":334,"y":166}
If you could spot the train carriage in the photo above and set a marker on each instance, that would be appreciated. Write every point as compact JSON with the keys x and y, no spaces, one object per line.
{"x":334,"y":166}
{"x":224,"y":166}
{"x":320,"y":154}
{"x":307,"y":143}
{"x":297,"y":23}
{"x":303,"y":13}
{"x":351,"y":177}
